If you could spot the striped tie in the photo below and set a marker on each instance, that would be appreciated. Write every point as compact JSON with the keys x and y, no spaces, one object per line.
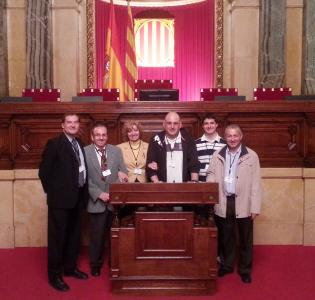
{"x":75,"y":147}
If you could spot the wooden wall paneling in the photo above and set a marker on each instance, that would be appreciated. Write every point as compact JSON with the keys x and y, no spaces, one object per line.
{"x":111,"y":121}
{"x":29,"y":137}
{"x":277,"y":138}
{"x":282,"y":132}
{"x":6,"y":162}
{"x":309,"y":141}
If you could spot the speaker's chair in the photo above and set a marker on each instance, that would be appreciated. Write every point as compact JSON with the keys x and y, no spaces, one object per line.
{"x":151,"y":84}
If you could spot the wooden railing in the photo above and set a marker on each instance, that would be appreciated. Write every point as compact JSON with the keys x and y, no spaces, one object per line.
{"x":281,"y":132}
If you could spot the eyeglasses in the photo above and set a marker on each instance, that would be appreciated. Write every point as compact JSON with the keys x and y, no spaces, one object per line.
{"x":100,"y":135}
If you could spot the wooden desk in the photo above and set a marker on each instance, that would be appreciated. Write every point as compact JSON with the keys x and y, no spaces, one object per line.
{"x":164,"y":252}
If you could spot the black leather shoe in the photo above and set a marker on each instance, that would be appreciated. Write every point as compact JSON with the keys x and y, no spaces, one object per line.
{"x":59,"y":284}
{"x":95,"y":272}
{"x":223,"y":272}
{"x":76,"y":273}
{"x":246,"y":278}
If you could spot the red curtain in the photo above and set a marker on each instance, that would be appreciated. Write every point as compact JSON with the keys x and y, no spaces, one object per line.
{"x":194,"y":46}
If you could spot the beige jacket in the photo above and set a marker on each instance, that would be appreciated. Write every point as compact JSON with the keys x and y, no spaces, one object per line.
{"x":130,"y":161}
{"x":248,"y":182}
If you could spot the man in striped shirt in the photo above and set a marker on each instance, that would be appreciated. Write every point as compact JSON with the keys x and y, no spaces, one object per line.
{"x":208,"y":144}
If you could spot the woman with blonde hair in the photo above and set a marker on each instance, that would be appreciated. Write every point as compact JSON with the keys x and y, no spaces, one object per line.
{"x":134,"y":151}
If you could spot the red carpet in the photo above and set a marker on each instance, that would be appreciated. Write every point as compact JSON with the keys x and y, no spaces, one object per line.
{"x":280,"y":272}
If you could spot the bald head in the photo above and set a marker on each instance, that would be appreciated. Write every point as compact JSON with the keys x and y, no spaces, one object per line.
{"x":172,"y":116}
{"x":172,"y":124}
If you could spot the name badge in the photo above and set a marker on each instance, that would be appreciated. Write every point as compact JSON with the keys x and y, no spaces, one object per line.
{"x":228,"y":179}
{"x":81,"y":168}
{"x":137,"y":171}
{"x":106,"y":172}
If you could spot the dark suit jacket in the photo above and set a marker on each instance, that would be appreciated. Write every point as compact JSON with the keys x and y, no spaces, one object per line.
{"x":157,"y":153}
{"x":59,"y":171}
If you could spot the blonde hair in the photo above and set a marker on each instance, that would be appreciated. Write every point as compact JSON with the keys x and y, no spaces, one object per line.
{"x":128,"y":127}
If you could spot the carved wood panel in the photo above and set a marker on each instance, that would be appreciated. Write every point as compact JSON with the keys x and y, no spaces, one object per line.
{"x":277,"y":140}
{"x":164,"y":234}
{"x":282,"y":133}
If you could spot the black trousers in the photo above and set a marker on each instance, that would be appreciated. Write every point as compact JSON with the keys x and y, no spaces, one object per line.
{"x":64,"y":232}
{"x":231,"y":230}
{"x":100,"y":224}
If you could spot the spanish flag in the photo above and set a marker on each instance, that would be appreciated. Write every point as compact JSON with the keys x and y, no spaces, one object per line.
{"x":113,"y":76}
{"x":130,"y":59}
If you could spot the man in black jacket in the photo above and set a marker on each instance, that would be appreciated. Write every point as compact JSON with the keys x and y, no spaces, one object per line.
{"x":63,"y":176}
{"x":172,"y":154}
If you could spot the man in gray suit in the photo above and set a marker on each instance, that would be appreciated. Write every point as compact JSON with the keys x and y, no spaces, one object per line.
{"x":105,"y":166}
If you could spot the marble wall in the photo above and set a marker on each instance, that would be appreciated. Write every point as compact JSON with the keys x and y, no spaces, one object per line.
{"x":67,"y":57}
{"x":16,"y":35}
{"x":294,"y":38}
{"x":241,"y":40}
{"x":69,"y":47}
{"x":3,"y":50}
{"x":287,"y":217}
{"x":241,"y":45}
{"x":38,"y":44}
{"x":243,"y":54}
{"x":272,"y":33}
{"x":309,"y":49}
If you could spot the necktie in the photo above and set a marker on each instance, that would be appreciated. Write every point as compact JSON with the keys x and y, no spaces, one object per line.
{"x":76,"y":150}
{"x":77,"y":154}
{"x":103,"y":160}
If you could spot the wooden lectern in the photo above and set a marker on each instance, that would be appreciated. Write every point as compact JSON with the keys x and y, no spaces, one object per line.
{"x":164,"y":250}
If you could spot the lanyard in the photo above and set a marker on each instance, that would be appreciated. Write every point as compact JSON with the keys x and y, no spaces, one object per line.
{"x":171,"y":143}
{"x":213,"y":145}
{"x":133,"y":152}
{"x":231,"y":161}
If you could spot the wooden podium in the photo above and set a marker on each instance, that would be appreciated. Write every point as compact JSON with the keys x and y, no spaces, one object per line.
{"x":164,"y":250}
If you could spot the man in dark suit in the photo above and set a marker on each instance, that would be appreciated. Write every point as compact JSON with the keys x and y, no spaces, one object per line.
{"x":105,"y":166}
{"x":63,"y":175}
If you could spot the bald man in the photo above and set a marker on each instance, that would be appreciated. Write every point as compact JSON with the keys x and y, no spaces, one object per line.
{"x":172,"y":154}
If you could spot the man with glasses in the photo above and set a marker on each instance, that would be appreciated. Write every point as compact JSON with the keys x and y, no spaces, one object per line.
{"x":105,"y":166}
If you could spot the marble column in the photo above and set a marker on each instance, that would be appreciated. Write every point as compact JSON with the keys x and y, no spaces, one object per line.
{"x":3,"y":50}
{"x":272,"y":43}
{"x":38,"y":44}
{"x":241,"y":40}
{"x":308,"y":84}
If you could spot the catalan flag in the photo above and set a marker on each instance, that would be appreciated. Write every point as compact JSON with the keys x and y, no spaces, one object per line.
{"x":130,"y":59}
{"x":113,"y":76}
